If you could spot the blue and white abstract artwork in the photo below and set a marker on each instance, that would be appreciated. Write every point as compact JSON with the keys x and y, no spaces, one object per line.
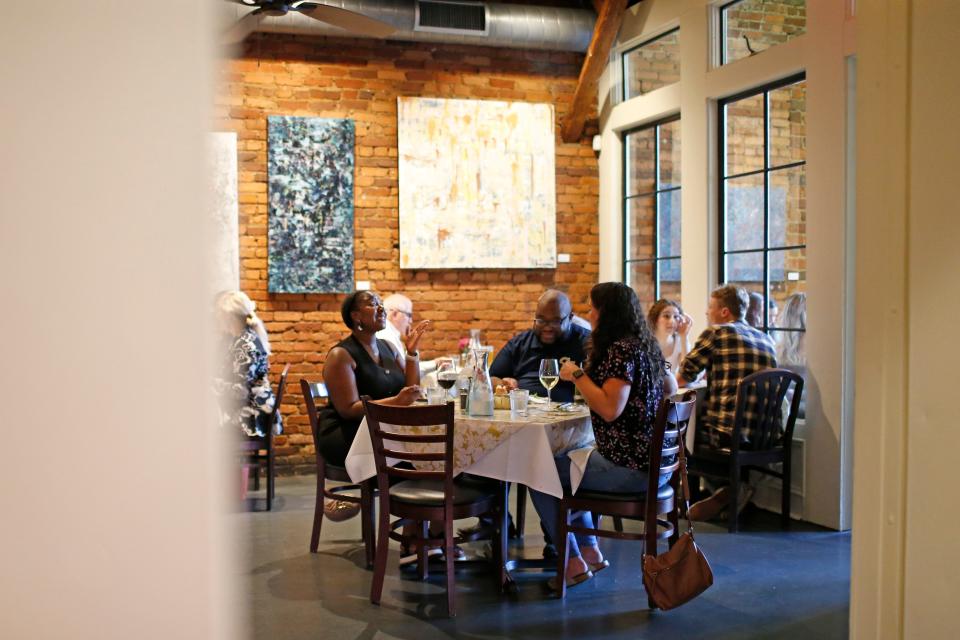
{"x":310,"y":173}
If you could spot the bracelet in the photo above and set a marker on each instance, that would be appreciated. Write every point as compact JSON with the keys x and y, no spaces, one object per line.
{"x":413,"y":355}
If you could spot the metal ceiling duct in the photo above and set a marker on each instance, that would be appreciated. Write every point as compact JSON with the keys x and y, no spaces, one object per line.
{"x":507,"y":25}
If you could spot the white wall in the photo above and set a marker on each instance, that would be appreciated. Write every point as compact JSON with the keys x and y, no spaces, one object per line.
{"x":821,"y":52}
{"x":113,"y":524}
{"x":905,"y":573}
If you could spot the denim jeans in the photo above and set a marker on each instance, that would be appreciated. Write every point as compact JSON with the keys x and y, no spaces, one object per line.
{"x":600,"y":475}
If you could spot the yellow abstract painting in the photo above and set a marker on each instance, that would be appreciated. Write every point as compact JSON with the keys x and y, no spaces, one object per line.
{"x":477,"y":184}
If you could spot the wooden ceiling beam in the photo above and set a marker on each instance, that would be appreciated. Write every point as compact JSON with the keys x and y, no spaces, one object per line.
{"x":604,"y":32}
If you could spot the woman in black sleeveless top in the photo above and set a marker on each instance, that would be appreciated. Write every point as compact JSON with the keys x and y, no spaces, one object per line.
{"x":363,"y":365}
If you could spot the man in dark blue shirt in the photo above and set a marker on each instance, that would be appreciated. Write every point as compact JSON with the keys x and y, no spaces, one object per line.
{"x":553,"y":335}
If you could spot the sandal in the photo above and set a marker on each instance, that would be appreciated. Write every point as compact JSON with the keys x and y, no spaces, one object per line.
{"x":597,"y":567}
{"x":554,"y":583}
{"x":409,"y":555}
{"x":458,"y":553}
{"x":340,"y":510}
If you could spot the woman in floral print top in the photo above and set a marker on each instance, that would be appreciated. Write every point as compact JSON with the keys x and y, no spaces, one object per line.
{"x":246,"y":399}
{"x":624,"y":383}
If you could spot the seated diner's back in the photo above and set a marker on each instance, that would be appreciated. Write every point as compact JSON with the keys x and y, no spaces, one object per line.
{"x":669,"y":430}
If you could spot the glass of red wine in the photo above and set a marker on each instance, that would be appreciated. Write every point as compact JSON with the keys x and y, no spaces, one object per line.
{"x":446,"y":373}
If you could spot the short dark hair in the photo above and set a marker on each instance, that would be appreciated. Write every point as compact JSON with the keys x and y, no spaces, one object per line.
{"x":349,"y":303}
{"x":733,"y":298}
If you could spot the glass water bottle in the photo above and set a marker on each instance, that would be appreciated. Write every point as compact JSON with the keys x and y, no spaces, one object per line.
{"x":480,"y":401}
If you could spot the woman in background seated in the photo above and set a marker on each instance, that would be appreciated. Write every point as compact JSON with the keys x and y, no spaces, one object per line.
{"x":359,"y":365}
{"x":247,"y":401}
{"x":791,"y":345}
{"x":623,"y":384}
{"x":671,"y":326}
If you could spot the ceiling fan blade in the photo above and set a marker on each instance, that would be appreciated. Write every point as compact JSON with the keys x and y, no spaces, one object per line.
{"x":241,"y":28}
{"x":349,"y":21}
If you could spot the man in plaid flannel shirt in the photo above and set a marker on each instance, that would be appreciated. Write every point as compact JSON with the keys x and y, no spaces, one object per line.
{"x":729,"y":350}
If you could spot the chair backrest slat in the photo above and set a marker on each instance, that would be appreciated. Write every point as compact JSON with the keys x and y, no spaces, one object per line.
{"x":416,"y":474}
{"x":398,"y":454}
{"x":761,"y":399}
{"x":668,"y":436}
{"x":392,"y":436}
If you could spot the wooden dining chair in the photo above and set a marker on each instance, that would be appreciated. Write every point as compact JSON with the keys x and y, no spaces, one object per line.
{"x":761,"y":398}
{"x":258,"y":452}
{"x":315,"y":393}
{"x":660,"y":515}
{"x":423,"y":496}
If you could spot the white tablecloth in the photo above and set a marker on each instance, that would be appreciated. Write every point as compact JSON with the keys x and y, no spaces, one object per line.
{"x":501,"y":447}
{"x":700,"y":386}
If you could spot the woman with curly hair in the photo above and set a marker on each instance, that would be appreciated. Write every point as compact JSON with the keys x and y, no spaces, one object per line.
{"x":623,"y":383}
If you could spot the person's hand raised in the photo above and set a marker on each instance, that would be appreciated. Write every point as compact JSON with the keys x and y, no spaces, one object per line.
{"x":412,"y":339}
{"x":684,"y":325}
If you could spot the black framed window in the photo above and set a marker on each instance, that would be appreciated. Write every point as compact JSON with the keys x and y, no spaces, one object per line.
{"x":763,"y":239}
{"x":751,"y":26}
{"x":651,"y":64}
{"x":651,"y":210}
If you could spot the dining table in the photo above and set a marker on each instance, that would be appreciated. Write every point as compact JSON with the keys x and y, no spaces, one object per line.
{"x":504,"y":446}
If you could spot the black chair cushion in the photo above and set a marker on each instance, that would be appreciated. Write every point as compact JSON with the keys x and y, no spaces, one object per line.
{"x":430,"y":492}
{"x":664,"y":493}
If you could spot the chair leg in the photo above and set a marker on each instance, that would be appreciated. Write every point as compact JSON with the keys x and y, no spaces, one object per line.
{"x":270,"y":481}
{"x":785,"y":490}
{"x":380,"y":564}
{"x":368,"y":511}
{"x":422,"y":549}
{"x":521,"y":518}
{"x":674,"y":517}
{"x":318,"y":509}
{"x":563,"y":550}
{"x":649,"y":543}
{"x":502,"y":535}
{"x":732,"y":515}
{"x":448,"y":552}
{"x":256,"y":477}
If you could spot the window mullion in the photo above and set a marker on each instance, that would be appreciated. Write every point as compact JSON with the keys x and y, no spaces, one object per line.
{"x":766,"y":208}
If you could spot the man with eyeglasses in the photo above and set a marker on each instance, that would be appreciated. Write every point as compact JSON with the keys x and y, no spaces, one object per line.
{"x":553,"y":335}
{"x":399,"y":319}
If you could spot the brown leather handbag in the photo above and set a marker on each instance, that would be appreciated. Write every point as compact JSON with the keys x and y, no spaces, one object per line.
{"x":681,"y":573}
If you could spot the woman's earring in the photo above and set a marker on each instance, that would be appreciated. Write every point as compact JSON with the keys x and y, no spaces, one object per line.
{"x":359,"y":326}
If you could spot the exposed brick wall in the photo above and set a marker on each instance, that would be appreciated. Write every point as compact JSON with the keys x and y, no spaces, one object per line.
{"x":361,"y":79}
{"x":765,"y":23}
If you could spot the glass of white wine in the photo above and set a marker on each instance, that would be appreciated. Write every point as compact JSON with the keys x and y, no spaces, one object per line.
{"x":549,"y":376}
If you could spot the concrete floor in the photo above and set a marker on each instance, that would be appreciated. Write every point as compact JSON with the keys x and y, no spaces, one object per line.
{"x":768,"y":584}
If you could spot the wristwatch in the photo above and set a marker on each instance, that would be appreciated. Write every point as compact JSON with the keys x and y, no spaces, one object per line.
{"x":577,"y":374}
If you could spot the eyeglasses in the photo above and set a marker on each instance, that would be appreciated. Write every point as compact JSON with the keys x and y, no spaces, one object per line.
{"x":540,"y":322}
{"x":409,"y":314}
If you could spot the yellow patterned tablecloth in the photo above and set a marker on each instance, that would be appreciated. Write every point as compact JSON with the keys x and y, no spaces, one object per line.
{"x":515,"y":449}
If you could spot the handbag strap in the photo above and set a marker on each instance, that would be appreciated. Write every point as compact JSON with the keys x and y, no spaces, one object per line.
{"x":684,"y":481}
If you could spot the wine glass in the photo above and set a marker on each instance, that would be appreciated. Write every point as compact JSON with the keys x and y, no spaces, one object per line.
{"x":446,"y":373}
{"x":549,"y":376}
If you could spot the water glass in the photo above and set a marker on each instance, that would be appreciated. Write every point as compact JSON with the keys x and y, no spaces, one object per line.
{"x":436,"y":395}
{"x":518,"y":402}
